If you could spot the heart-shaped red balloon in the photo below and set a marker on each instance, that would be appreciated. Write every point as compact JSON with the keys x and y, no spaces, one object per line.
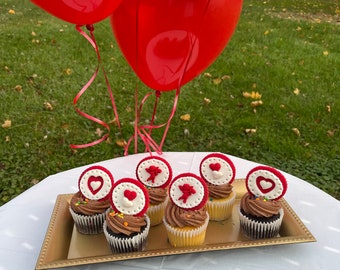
{"x":169,"y":42}
{"x":81,"y":12}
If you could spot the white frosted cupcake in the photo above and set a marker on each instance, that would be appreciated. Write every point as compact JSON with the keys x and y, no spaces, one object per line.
{"x":219,"y":173}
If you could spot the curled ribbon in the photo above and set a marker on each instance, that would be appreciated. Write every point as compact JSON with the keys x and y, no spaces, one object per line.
{"x":92,"y":41}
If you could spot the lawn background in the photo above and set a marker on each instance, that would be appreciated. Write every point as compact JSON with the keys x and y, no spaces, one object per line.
{"x":287,"y":51}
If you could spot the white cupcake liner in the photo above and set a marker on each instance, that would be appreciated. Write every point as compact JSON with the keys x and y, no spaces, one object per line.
{"x":88,"y":224}
{"x":186,"y":237}
{"x":121,"y":245}
{"x":260,"y":229}
{"x":221,"y":209}
{"x":156,"y":212}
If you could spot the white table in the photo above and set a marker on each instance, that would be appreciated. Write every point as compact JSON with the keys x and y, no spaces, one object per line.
{"x":24,"y":220}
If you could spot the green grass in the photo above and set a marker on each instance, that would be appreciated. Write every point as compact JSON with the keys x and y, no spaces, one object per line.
{"x":279,"y":46}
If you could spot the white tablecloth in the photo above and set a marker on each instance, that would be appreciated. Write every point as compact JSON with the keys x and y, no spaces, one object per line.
{"x":24,"y":220}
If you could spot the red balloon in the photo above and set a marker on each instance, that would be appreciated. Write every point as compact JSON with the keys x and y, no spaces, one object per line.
{"x":81,"y":12}
{"x":169,"y":42}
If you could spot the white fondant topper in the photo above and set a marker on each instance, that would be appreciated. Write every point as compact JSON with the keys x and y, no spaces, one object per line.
{"x":154,"y":171}
{"x":95,"y":183}
{"x":129,"y":197}
{"x":266,"y":181}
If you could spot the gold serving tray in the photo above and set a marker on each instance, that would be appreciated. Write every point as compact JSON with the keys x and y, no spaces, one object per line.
{"x":64,"y":246}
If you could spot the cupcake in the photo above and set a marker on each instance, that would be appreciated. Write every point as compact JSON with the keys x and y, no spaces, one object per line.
{"x":219,"y":173}
{"x":186,"y":218}
{"x":260,"y":210}
{"x":89,"y":205}
{"x":155,"y":173}
{"x":126,"y":226}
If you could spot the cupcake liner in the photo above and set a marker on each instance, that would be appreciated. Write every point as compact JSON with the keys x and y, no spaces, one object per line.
{"x":127,"y":244}
{"x":260,"y":229}
{"x":187,"y":236}
{"x":156,"y":212}
{"x":88,"y":224}
{"x":221,"y":209}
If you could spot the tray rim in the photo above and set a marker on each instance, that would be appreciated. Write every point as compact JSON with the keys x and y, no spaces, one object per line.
{"x":61,"y":200}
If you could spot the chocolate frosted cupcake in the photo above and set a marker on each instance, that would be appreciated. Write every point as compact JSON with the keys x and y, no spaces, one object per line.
{"x":89,"y":205}
{"x":219,"y":173}
{"x":260,"y":211}
{"x":155,"y":173}
{"x":186,"y":218}
{"x":126,"y":226}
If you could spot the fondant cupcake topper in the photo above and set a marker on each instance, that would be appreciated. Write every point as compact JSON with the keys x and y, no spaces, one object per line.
{"x":154,"y":171}
{"x":217,"y":169}
{"x":129,"y":197}
{"x":266,"y":181}
{"x":95,"y":183}
{"x":188,"y":191}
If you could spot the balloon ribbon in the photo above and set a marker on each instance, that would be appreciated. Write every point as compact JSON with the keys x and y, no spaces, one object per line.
{"x":92,"y":41}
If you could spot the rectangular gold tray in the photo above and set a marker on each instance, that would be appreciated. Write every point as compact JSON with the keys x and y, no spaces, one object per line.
{"x":64,"y":246}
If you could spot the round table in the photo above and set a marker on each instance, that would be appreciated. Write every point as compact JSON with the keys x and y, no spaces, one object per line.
{"x":24,"y":221}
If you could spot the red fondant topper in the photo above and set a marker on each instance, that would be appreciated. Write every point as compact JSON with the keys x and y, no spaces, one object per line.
{"x":95,"y":183}
{"x":266,"y":181}
{"x":154,"y":171}
{"x":129,"y":197}
{"x":217,"y":169}
{"x":188,"y":191}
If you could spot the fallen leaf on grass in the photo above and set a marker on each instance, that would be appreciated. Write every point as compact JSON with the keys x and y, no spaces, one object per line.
{"x":325,"y":53}
{"x":99,"y":132}
{"x":253,"y":95}
{"x":7,"y":139}
{"x":11,"y":11}
{"x":256,"y":103}
{"x":121,"y":143}
{"x":206,"y":100}
{"x":7,"y":124}
{"x":296,"y":131}
{"x":330,"y":133}
{"x":250,"y":130}
{"x":296,"y":91}
{"x":217,"y":81}
{"x":185,"y":117}
{"x":18,"y":88}
{"x":328,"y":108}
{"x":48,"y":106}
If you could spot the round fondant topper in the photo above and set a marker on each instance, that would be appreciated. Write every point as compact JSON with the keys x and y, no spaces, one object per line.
{"x":188,"y":191}
{"x":217,"y":169}
{"x":95,"y":183}
{"x":266,"y":181}
{"x":154,"y":171}
{"x":129,"y":197}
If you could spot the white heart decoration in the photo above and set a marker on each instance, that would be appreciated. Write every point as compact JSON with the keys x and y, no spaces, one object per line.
{"x":266,"y":185}
{"x":217,"y":174}
{"x":95,"y":185}
{"x":127,"y":202}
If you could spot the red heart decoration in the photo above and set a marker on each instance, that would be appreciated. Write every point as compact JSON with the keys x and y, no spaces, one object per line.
{"x":130,"y":194}
{"x":265,"y":185}
{"x":95,"y":183}
{"x":215,"y":166}
{"x":169,"y":42}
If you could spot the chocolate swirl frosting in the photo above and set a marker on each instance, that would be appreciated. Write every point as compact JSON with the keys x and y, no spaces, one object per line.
{"x":120,"y":223}
{"x":178,"y":217}
{"x":220,"y":191}
{"x":259,"y":206}
{"x":157,"y":195}
{"x":81,"y":205}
